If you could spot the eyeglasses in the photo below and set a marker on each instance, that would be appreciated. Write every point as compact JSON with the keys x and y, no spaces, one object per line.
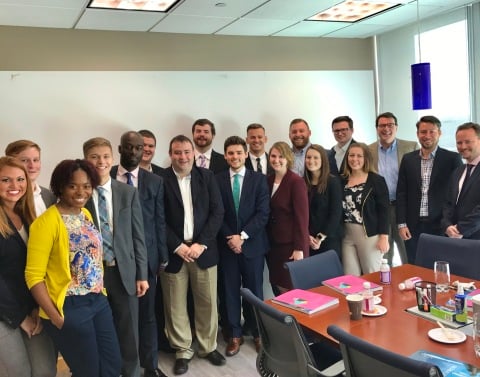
{"x":341,"y":130}
{"x":386,"y":125}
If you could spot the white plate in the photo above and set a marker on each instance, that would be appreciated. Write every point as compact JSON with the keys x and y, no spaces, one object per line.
{"x":377,"y":300}
{"x":377,"y":310}
{"x":438,"y":334}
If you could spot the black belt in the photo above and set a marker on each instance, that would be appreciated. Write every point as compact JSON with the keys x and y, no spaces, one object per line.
{"x":188,"y":243}
{"x":393,"y":202}
{"x":424,"y":219}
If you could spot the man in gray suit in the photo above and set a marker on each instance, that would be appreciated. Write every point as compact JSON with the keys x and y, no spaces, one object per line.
{"x":387,"y":153}
{"x":125,"y":276}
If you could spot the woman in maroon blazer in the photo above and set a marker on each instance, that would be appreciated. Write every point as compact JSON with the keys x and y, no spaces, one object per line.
{"x":288,"y":223}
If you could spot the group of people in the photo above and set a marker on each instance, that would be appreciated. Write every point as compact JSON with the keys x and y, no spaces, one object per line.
{"x":114,"y":263}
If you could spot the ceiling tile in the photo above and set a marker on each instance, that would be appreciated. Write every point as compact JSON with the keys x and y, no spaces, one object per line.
{"x":207,"y":8}
{"x":101,"y":19}
{"x":254,"y":27}
{"x":357,"y":30}
{"x":191,"y":24}
{"x":311,"y":29}
{"x":38,"y":16}
{"x":290,"y":9}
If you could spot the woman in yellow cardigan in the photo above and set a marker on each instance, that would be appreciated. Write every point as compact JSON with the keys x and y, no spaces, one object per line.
{"x":64,"y":272}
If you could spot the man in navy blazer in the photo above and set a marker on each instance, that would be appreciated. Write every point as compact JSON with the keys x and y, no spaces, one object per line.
{"x":126,"y":277}
{"x":342,"y":128}
{"x":256,"y":140}
{"x":150,"y":189}
{"x":203,"y":132}
{"x":461,"y":213}
{"x":194,"y":214}
{"x":149,"y":147}
{"x":242,"y":239}
{"x":422,"y":185}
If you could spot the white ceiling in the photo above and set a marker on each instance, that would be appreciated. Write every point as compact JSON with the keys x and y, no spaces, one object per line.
{"x":237,"y":17}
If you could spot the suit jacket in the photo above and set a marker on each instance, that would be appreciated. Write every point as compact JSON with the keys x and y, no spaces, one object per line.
{"x":217,"y":162}
{"x":249,"y":166}
{"x":16,"y":302}
{"x":465,"y":212}
{"x":326,"y":212}
{"x":128,"y":235}
{"x":333,"y":163}
{"x":157,"y":169}
{"x":207,"y":216}
{"x":403,"y":147}
{"x":253,"y":212}
{"x":151,"y":194}
{"x":288,"y":221}
{"x":409,"y":186}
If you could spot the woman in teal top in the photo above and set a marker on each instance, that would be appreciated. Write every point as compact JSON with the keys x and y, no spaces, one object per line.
{"x":65,"y":275}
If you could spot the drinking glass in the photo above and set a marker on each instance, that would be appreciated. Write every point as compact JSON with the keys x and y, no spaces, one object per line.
{"x":442,"y":275}
{"x":476,"y":333}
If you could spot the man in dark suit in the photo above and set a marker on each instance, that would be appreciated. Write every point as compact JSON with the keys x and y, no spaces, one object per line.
{"x":387,"y":153}
{"x":461,"y":213}
{"x":150,"y":189}
{"x":257,"y":158}
{"x":126,"y":275}
{"x":194,"y":214}
{"x":342,"y":128}
{"x":242,"y":239}
{"x":203,"y":132}
{"x":422,"y":185}
{"x":149,"y":146}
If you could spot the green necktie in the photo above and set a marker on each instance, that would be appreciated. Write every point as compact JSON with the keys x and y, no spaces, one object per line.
{"x":236,"y":192}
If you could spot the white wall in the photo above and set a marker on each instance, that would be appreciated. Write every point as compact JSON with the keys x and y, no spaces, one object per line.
{"x":60,"y":110}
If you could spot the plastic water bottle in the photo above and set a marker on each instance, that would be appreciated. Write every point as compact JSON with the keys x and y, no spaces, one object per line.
{"x":409,"y":283}
{"x":367,"y":304}
{"x":385,"y":273}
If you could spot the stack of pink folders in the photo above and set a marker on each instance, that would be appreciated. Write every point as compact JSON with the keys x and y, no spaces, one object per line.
{"x":350,"y":284}
{"x":305,"y":301}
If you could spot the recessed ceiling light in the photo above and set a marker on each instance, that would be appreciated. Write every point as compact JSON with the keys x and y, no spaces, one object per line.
{"x":145,"y":5}
{"x":354,"y":10}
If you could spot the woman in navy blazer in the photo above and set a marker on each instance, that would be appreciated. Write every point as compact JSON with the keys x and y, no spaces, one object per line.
{"x":365,"y":206}
{"x":288,"y":224}
{"x":325,"y":198}
{"x":25,"y":350}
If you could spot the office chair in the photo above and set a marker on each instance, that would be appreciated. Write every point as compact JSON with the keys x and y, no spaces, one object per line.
{"x":310,"y":272}
{"x":462,"y":255}
{"x":363,"y":359}
{"x":285,"y":352}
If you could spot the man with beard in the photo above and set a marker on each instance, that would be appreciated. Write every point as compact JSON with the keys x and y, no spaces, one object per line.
{"x":422,"y":185}
{"x":387,"y":153}
{"x":342,"y":128}
{"x":461,"y":213}
{"x":203,"y":132}
{"x":299,"y":133}
{"x":150,"y":189}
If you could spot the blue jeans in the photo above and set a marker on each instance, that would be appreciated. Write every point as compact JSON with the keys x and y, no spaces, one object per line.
{"x":87,"y":341}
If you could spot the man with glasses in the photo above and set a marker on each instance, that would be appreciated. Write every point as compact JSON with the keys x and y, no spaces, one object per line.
{"x":342,"y":128}
{"x":387,"y":153}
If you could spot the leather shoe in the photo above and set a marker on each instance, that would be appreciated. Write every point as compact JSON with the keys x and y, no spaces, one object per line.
{"x":233,"y":346}
{"x":215,"y":358}
{"x":154,"y":373}
{"x":258,"y":343}
{"x":181,"y":366}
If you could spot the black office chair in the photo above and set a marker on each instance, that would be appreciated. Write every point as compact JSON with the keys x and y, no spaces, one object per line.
{"x":462,"y":255}
{"x":285,"y":352}
{"x":363,"y":359}
{"x":310,"y":272}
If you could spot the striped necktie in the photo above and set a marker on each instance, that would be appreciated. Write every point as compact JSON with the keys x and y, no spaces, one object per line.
{"x":107,"y":235}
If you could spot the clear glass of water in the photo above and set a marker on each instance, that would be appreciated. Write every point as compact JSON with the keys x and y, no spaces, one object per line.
{"x":476,"y":333}
{"x":442,"y":275}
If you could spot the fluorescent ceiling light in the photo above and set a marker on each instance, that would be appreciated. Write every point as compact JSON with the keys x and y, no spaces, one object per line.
{"x":353,"y":10}
{"x":145,"y":5}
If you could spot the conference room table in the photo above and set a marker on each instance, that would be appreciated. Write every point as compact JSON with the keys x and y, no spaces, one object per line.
{"x":397,"y":330}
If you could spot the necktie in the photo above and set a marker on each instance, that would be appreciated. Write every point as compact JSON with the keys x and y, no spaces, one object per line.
{"x":129,"y":178}
{"x":203,"y":161}
{"x":236,"y":192}
{"x":259,"y":165}
{"x":467,"y":176}
{"x":107,"y":235}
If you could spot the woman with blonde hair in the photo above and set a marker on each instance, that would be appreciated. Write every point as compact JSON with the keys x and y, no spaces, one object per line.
{"x":365,"y":213}
{"x":25,"y":350}
{"x":288,"y":224}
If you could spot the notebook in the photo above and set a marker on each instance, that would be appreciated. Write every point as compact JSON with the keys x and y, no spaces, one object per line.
{"x":349,"y":284}
{"x":305,"y":301}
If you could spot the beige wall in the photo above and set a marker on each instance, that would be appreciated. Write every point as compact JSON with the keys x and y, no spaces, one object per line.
{"x":61,"y":49}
